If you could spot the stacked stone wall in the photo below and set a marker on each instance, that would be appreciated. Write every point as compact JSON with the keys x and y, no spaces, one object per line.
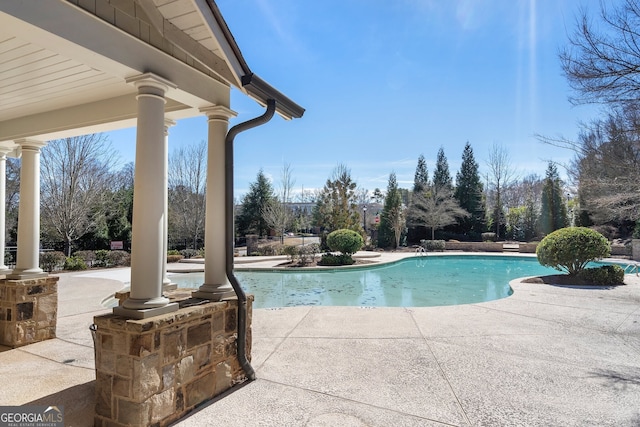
{"x":154,"y":371}
{"x":28,"y":310}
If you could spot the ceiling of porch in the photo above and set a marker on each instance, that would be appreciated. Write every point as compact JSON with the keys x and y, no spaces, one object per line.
{"x":63,"y":70}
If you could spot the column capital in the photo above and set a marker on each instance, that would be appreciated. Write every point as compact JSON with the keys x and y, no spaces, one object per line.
{"x":4,"y":151}
{"x":218,"y":112}
{"x":167,"y":124}
{"x":150,"y":80}
{"x":27,"y":143}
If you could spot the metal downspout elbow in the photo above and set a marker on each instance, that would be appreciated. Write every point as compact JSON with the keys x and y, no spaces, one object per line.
{"x":242,"y":297}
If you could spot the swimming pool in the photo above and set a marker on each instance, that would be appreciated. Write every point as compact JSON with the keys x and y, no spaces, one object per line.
{"x":413,"y":282}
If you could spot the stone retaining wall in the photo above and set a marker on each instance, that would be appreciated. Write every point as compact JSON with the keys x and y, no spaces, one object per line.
{"x":153,"y":371}
{"x":28,"y":310}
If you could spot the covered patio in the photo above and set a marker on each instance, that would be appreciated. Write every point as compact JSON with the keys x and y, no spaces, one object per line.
{"x":74,"y":67}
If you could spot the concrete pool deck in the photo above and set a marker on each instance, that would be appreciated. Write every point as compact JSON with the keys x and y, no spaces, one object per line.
{"x":545,"y":356}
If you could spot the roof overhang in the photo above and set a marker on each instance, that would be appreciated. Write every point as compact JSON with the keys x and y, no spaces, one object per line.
{"x":64,"y":68}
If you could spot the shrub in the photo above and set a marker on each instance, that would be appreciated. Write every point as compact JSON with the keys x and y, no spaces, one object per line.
{"x":102,"y":258}
{"x":345,"y":241}
{"x":433,"y":245}
{"x":52,"y":260}
{"x":607,"y":275}
{"x":119,"y":258}
{"x":188,"y":253}
{"x":570,"y":249}
{"x":174,"y":258}
{"x":269,"y":249}
{"x":290,"y":251}
{"x":329,"y":259}
{"x":307,"y":253}
{"x":173,"y":252}
{"x":75,"y":263}
{"x":89,"y":257}
{"x":488,"y":237}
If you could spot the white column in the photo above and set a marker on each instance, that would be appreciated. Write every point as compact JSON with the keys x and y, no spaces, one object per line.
{"x":166,"y":282}
{"x":28,"y":256}
{"x":3,"y":207}
{"x":149,"y":193}
{"x":216,"y":284}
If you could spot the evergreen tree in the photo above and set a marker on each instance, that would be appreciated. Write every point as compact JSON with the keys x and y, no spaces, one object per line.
{"x":441,"y":177}
{"x":392,"y":218}
{"x":468,"y":193}
{"x":421,"y":178}
{"x":553,"y":212}
{"x":421,"y":184}
{"x":250,"y":219}
{"x":337,"y":205}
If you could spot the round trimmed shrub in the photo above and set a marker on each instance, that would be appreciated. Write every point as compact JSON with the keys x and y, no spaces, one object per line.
{"x":571,"y":249}
{"x":346,"y":241}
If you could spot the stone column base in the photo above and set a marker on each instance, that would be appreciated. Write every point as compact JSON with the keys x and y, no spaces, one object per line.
{"x":28,"y":310}
{"x":154,"y":371}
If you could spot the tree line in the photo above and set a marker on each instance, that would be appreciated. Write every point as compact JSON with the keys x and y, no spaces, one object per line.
{"x":86,"y":198}
{"x":435,"y":206}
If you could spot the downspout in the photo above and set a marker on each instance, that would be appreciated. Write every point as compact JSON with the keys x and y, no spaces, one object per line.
{"x":242,"y":297}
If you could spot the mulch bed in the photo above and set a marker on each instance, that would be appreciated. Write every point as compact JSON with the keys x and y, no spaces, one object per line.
{"x":295,"y":264}
{"x":559,"y":279}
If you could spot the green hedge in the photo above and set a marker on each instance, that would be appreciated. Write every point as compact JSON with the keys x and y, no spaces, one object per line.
{"x":607,"y":275}
{"x":433,"y":245}
{"x":330,"y":259}
{"x":75,"y":263}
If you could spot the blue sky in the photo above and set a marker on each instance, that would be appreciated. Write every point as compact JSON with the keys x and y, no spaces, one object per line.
{"x":384,"y":81}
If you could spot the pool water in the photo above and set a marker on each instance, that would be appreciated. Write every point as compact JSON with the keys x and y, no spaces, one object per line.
{"x":425,"y":281}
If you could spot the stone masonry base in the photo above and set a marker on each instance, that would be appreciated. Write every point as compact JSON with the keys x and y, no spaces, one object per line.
{"x":153,"y":371}
{"x":28,"y":310}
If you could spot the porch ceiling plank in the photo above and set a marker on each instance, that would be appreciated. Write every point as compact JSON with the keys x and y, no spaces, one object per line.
{"x":176,"y":8}
{"x":76,"y":78}
{"x":34,"y":65}
{"x":51,"y":77}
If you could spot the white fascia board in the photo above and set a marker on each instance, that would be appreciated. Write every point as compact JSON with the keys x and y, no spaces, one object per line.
{"x":101,"y":116}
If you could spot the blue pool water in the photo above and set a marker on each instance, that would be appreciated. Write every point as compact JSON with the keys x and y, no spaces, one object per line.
{"x":414,"y":282}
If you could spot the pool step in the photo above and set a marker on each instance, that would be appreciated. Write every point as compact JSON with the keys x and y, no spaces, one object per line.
{"x":510,"y":247}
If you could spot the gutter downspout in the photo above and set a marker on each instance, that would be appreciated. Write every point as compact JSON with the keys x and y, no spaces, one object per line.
{"x":242,"y":297}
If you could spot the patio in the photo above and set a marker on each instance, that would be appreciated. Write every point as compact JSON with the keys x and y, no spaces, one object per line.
{"x":547,"y":355}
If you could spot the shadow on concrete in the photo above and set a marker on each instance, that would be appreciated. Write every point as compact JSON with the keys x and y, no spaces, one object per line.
{"x":78,"y":401}
{"x":618,"y":380}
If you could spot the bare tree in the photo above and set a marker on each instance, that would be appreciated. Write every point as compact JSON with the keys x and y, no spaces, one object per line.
{"x":187,"y":188}
{"x":602,"y":60}
{"x":278,"y":214}
{"x":435,"y":210}
{"x":607,"y":168}
{"x":12,"y":198}
{"x":75,"y":176}
{"x":500,"y":176}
